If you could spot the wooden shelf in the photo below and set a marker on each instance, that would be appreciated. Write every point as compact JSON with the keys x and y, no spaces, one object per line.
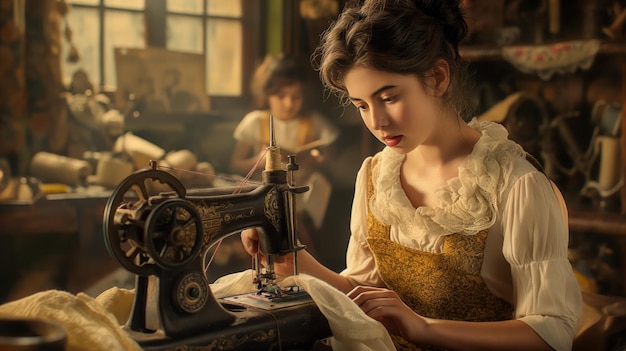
{"x":480,"y":53}
{"x":608,"y":223}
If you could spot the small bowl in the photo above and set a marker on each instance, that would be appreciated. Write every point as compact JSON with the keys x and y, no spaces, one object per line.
{"x":32,"y":334}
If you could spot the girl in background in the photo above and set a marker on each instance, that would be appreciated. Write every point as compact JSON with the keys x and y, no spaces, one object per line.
{"x":279,"y":89}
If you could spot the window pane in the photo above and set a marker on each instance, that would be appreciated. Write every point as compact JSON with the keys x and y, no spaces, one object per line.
{"x":224,"y":57}
{"x":85,"y":36}
{"x":184,"y":33}
{"x":126,"y":4}
{"x":231,"y":8}
{"x":121,"y":29}
{"x":185,"y":6}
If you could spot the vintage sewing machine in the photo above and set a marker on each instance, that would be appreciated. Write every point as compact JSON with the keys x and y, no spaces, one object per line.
{"x":157,"y":230}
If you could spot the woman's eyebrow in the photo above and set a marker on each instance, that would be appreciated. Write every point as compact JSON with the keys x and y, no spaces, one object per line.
{"x":376,"y":92}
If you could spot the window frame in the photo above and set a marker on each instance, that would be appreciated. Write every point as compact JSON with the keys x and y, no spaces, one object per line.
{"x":155,"y":16}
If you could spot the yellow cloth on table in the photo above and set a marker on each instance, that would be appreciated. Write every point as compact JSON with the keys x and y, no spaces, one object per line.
{"x":88,"y":324}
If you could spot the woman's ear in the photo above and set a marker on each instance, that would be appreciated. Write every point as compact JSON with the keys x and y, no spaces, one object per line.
{"x":441,"y":77}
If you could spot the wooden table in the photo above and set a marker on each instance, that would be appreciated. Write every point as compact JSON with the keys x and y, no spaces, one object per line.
{"x":55,"y":242}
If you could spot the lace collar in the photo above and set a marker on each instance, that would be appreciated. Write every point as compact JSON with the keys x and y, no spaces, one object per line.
{"x":467,"y":203}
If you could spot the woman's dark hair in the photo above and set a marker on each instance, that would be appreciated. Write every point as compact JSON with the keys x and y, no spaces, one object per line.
{"x":399,"y":36}
{"x":274,"y":73}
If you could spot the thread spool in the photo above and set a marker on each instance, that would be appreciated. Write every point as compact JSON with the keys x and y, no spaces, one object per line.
{"x":610,"y":156}
{"x":203,"y":175}
{"x":182,"y":159}
{"x":205,"y":168}
{"x":111,"y":171}
{"x":139,"y":149}
{"x":273,"y":160}
{"x":53,"y":168}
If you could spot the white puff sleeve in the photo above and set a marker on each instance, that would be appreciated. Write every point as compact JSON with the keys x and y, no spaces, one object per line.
{"x":547,"y":295}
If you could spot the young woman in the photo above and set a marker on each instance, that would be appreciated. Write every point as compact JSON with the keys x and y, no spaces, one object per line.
{"x":458,"y":241}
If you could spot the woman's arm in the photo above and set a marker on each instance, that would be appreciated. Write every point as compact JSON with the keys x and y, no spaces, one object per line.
{"x":547,"y":294}
{"x":385,"y":306}
{"x":505,"y":335}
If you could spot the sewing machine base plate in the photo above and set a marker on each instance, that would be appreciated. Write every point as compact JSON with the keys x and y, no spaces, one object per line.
{"x":293,"y":324}
{"x":269,"y":301}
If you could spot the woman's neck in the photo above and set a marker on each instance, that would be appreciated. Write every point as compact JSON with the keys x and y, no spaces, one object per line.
{"x":450,"y":143}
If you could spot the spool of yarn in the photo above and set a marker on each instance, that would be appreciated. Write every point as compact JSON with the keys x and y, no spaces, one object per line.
{"x":111,"y":171}
{"x":610,"y":156}
{"x":203,"y":176}
{"x":139,"y":149}
{"x":53,"y":168}
{"x":182,"y":159}
{"x":205,"y":168}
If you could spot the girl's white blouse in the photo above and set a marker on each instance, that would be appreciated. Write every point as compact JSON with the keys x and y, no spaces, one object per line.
{"x":525,"y":260}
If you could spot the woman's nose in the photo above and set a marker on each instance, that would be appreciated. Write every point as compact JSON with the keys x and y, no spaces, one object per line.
{"x":378,"y":119}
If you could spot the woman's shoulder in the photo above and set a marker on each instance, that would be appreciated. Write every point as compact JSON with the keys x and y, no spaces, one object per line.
{"x":497,"y":161}
{"x":495,"y":152}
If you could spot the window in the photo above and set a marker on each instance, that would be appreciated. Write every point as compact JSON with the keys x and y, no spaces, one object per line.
{"x":192,"y":27}
{"x":227,"y":33}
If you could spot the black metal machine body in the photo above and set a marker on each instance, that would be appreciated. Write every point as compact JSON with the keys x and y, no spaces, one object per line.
{"x":160,"y":232}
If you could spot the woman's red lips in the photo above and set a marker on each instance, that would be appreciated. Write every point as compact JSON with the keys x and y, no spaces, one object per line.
{"x":392,"y":140}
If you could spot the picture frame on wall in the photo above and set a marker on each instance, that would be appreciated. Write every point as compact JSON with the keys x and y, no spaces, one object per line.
{"x":160,"y":81}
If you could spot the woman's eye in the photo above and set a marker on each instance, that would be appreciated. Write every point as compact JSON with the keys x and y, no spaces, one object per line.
{"x":388,"y":98}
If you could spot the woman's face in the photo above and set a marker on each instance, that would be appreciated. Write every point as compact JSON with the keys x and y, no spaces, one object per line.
{"x":397,"y":109}
{"x":287,"y":102}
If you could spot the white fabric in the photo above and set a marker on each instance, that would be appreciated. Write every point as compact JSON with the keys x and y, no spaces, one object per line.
{"x":286,"y":134}
{"x":352,"y":329}
{"x":525,"y":259}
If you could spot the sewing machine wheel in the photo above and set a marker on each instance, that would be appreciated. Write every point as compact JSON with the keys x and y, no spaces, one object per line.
{"x":125,"y":211}
{"x":173,"y":234}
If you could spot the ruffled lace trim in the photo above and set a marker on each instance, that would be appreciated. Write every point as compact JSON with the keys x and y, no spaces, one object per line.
{"x":467,"y":203}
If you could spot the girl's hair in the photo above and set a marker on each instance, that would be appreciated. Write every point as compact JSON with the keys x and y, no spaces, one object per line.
{"x":274,"y":73}
{"x":399,"y":36}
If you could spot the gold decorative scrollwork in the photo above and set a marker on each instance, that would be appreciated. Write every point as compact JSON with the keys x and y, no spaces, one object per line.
{"x":272,"y":207}
{"x":234,"y":342}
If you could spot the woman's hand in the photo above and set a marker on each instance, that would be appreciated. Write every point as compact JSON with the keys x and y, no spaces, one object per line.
{"x":385,"y":306}
{"x":283,"y":265}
